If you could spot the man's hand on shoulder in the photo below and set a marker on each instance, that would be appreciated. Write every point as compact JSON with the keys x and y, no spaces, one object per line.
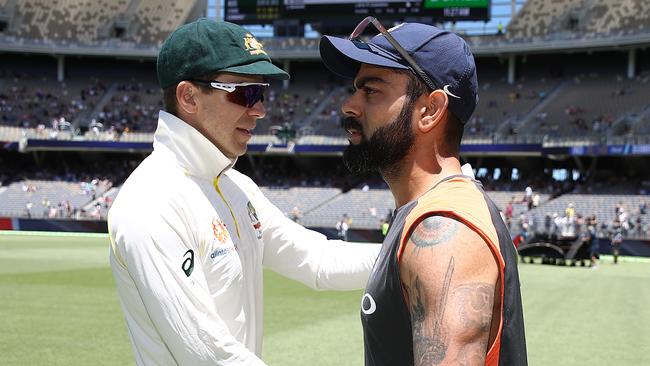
{"x":449,"y":275}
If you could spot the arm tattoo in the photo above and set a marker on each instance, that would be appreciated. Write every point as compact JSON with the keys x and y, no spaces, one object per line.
{"x":430,"y":343}
{"x":475,"y":302}
{"x":433,"y":231}
{"x":471,"y":356}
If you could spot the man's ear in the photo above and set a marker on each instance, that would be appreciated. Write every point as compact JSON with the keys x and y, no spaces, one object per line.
{"x":434,"y":111}
{"x":186,"y":93}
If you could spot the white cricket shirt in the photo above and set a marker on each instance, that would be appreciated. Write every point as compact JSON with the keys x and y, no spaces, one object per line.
{"x":189,"y":236}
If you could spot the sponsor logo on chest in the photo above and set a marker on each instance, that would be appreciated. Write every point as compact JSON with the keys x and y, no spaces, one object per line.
{"x":220,"y":237}
{"x":219,"y":252}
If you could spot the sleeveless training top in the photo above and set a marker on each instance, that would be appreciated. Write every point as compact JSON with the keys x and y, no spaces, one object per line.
{"x":386,"y":319}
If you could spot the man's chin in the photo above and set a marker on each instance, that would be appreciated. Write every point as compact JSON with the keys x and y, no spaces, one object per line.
{"x":357,"y":159}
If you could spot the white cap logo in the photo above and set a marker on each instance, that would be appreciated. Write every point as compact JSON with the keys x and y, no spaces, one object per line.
{"x":446,"y":89}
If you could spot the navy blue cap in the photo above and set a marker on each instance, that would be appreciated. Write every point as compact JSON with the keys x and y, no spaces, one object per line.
{"x":443,"y":55}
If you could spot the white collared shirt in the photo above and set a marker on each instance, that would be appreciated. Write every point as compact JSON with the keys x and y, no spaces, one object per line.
{"x":189,"y":236}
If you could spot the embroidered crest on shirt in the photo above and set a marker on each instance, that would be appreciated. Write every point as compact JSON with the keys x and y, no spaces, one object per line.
{"x":255,"y":221}
{"x":219,"y":230}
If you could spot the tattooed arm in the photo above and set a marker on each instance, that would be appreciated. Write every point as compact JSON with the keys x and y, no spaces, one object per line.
{"x":450,"y":276}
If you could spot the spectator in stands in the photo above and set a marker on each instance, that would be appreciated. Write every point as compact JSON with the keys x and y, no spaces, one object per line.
{"x":406,"y":120}
{"x":548,"y":225}
{"x":638,"y":226}
{"x":618,"y":208}
{"x":296,"y":214}
{"x":509,"y":211}
{"x":28,"y":209}
{"x":189,"y":234}
{"x":579,"y":223}
{"x":624,"y":220}
{"x":528,"y":197}
{"x":617,"y":240}
{"x":342,"y":227}
{"x":592,"y":238}
{"x":536,"y":199}
{"x":524,"y":228}
{"x":570,"y":211}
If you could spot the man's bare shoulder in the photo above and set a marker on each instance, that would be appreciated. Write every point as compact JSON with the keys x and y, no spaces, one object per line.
{"x":445,"y":234}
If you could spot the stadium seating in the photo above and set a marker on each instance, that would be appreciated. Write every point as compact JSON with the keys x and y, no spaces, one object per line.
{"x":538,"y":18}
{"x":11,"y":134}
{"x":616,"y":17}
{"x":290,"y":107}
{"x":500,"y":101}
{"x":44,"y":197}
{"x":305,"y":199}
{"x":642,"y":127}
{"x":573,"y":112}
{"x":66,"y":21}
{"x":133,"y":106}
{"x":30,"y":96}
{"x":365,"y":207}
{"x":155,"y":19}
{"x":146,"y":23}
{"x":581,"y":19}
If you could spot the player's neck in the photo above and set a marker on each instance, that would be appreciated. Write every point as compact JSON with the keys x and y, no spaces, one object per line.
{"x":415,"y":179}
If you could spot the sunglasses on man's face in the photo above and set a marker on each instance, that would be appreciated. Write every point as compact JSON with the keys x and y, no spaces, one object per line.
{"x":243,"y":94}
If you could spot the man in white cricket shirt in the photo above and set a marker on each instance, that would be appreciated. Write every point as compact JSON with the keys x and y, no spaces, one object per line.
{"x":189,"y":234}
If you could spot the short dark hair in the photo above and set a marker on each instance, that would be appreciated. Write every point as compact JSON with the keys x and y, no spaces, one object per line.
{"x":170,"y":104}
{"x":454,"y":128}
{"x":169,"y":100}
{"x":414,"y":87}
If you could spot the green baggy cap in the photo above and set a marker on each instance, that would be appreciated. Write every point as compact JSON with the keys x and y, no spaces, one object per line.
{"x":206,"y":46}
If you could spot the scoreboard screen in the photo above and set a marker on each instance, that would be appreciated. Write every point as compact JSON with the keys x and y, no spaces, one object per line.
{"x":253,"y":11}
{"x":328,"y":9}
{"x":268,"y":11}
{"x":458,"y":9}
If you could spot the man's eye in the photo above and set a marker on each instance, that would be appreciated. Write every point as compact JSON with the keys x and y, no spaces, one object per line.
{"x":368,"y":90}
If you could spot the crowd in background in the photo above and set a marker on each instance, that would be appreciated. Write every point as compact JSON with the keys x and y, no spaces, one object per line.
{"x":31,"y":101}
{"x":576,"y":221}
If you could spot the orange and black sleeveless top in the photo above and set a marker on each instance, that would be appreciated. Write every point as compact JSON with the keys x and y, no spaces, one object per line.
{"x":386,"y":319}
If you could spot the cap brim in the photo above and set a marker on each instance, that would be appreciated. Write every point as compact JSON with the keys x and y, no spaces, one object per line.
{"x":343,"y":57}
{"x":262,"y":68}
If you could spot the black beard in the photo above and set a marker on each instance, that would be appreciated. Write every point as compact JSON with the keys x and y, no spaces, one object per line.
{"x":385,"y":149}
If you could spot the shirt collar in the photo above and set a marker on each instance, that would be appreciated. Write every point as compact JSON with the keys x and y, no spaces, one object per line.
{"x":193,"y":151}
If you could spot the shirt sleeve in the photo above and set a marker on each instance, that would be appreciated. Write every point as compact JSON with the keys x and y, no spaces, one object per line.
{"x":308,"y":256}
{"x":161,"y":256}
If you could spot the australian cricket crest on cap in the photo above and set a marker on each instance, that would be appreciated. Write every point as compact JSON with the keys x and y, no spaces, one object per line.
{"x":252,"y":45}
{"x":255,"y":221}
{"x":219,"y":230}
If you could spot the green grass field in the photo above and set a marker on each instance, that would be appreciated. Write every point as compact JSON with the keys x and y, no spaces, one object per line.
{"x":58,"y":306}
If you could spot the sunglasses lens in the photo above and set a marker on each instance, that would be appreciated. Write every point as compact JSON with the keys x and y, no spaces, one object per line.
{"x":247,"y":96}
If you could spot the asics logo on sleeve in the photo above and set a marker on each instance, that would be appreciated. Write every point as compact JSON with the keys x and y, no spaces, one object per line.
{"x":371,"y":305}
{"x":188,"y":263}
